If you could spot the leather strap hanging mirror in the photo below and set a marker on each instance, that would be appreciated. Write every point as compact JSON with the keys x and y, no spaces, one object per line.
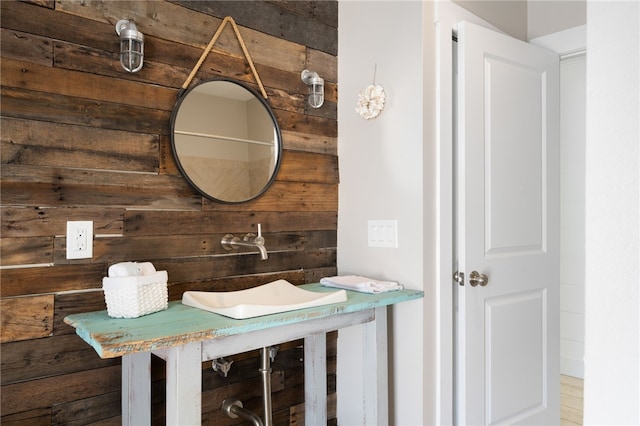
{"x":224,"y":135}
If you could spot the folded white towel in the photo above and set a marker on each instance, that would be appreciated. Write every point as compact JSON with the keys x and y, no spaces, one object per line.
{"x":131,"y":269}
{"x":111,"y":283}
{"x":147,"y":268}
{"x":361,"y":284}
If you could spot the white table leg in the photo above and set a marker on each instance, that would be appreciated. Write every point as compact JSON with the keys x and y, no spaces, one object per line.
{"x":136,"y":389}
{"x":315,"y":379}
{"x":375,"y":373}
{"x":184,"y":385}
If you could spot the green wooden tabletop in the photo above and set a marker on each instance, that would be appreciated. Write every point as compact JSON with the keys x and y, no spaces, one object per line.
{"x":181,"y":324}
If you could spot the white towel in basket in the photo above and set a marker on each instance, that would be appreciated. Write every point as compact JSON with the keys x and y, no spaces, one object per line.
{"x":131,"y":269}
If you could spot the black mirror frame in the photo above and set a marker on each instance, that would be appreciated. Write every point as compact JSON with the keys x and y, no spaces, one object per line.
{"x":182,"y":95}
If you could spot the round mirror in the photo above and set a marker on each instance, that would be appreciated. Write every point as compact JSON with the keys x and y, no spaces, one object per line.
{"x":226,"y":140}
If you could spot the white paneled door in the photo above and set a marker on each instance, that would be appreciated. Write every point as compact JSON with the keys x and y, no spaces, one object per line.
{"x":507,"y":231}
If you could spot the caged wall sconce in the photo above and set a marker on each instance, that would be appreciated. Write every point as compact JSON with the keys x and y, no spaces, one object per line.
{"x":316,"y":88}
{"x":131,"y":45}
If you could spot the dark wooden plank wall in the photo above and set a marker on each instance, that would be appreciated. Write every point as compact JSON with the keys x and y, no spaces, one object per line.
{"x":83,"y":140}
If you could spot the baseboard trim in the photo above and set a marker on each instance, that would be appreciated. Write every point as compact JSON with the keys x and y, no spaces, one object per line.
{"x":572,"y":367}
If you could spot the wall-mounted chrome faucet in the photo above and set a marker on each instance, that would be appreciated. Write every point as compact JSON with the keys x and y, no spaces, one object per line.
{"x":231,"y":242}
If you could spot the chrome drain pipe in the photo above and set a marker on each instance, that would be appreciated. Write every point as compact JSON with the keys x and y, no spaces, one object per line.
{"x":265,"y":369}
{"x":233,"y":408}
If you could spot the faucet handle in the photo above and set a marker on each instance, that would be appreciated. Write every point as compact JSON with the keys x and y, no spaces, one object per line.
{"x":222,"y":366}
{"x":259,"y":239}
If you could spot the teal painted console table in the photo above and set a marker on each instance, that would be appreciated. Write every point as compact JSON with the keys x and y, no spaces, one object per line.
{"x":185,"y":337}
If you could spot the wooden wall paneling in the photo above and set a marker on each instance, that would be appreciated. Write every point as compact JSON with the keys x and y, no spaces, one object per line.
{"x":44,"y":106}
{"x":51,"y":279}
{"x":166,"y":63}
{"x":50,"y":356}
{"x":37,"y":417}
{"x":289,"y":196}
{"x":205,"y":268}
{"x":25,"y":318}
{"x":329,"y":110}
{"x":84,"y":140}
{"x":308,"y":167}
{"x":282,"y":99}
{"x":21,"y":45}
{"x":284,"y":88}
{"x":157,"y":49}
{"x":46,"y":22}
{"x":94,"y":410}
{"x":168,"y":164}
{"x":52,"y":186}
{"x":113,"y":250}
{"x":306,"y":124}
{"x":279,"y":83}
{"x":89,"y":86}
{"x":19,"y":397}
{"x":30,"y":250}
{"x":327,"y":66}
{"x":75,"y":303}
{"x":292,"y":393}
{"x":45,"y":3}
{"x":310,"y":143}
{"x":146,"y":222}
{"x":268,"y":17}
{"x":158,"y":19}
{"x":59,"y":145}
{"x":117,"y":249}
{"x":37,"y":221}
{"x":321,"y":11}
{"x":314,"y":275}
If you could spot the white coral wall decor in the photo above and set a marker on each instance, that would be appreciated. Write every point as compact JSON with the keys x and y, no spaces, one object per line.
{"x":371,"y":101}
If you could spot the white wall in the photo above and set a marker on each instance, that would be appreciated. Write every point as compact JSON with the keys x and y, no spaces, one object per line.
{"x":612,"y":334}
{"x":386,"y":172}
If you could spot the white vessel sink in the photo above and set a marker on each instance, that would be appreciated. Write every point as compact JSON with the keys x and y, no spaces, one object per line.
{"x":272,"y":298}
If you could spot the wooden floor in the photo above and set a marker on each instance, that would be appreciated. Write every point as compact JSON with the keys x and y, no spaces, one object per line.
{"x":571,"y":401}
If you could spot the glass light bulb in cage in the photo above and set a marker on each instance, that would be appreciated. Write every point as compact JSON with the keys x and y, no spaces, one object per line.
{"x":316,"y":88}
{"x":131,"y":46}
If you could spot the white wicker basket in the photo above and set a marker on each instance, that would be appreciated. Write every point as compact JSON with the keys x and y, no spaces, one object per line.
{"x":132,"y":297}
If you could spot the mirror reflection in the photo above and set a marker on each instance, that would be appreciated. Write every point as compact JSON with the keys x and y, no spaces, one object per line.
{"x":226,"y":140}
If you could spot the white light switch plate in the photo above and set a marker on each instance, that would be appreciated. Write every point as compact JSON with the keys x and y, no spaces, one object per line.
{"x":80,"y":239}
{"x":382,"y":233}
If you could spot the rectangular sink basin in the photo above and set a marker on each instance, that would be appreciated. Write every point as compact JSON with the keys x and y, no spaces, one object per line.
{"x":272,"y":298}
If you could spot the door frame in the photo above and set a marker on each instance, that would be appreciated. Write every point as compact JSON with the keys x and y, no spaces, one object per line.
{"x":447,"y":16}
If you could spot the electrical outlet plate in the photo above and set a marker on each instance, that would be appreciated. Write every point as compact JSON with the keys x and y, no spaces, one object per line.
{"x":382,"y":233}
{"x":80,"y":239}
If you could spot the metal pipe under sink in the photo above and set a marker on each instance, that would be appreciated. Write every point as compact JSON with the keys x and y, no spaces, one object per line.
{"x":265,"y":369}
{"x":233,"y":408}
